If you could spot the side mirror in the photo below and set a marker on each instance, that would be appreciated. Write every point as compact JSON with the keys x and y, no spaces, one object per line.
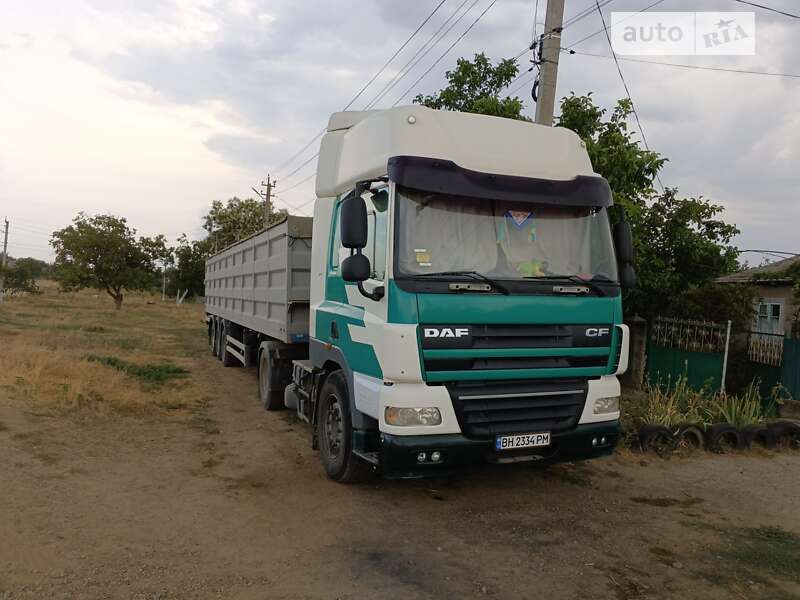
{"x":353,"y":220}
{"x":356,"y":267}
{"x":627,"y":276}
{"x":623,"y":241}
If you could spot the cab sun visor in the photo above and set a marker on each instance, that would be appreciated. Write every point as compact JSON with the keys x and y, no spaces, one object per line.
{"x":446,"y":177}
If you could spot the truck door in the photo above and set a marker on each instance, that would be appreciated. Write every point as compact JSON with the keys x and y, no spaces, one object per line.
{"x":351,"y":323}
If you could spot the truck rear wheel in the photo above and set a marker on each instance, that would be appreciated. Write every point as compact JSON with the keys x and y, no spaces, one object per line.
{"x":213,"y":335}
{"x":220,"y":327}
{"x":271,"y":398}
{"x":335,"y":433}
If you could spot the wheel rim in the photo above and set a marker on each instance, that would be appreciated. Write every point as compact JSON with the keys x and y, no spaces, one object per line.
{"x":334,"y":430}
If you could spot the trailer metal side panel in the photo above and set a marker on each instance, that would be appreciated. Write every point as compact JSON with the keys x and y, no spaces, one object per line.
{"x":262,"y":282}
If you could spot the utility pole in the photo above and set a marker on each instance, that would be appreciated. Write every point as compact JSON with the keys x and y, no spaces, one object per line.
{"x":269,"y":184}
{"x":551,"y":49}
{"x":5,"y":262}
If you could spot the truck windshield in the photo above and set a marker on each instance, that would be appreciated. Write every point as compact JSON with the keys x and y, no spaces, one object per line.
{"x":501,"y":239}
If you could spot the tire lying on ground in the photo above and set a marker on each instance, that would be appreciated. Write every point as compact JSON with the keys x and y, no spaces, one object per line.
{"x":757,"y":435}
{"x":785,"y":433}
{"x":689,"y":436}
{"x":723,"y":437}
{"x":656,"y":438}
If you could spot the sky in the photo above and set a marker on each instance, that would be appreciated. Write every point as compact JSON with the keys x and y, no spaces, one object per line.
{"x":153,"y":109}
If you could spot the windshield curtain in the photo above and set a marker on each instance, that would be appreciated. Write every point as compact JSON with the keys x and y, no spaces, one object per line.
{"x":501,"y":239}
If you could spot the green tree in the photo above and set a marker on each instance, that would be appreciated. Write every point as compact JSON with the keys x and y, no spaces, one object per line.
{"x":476,"y":86}
{"x":630,"y":169}
{"x":237,"y":218}
{"x":20,"y":276}
{"x":102,"y":252}
{"x":189,"y":272}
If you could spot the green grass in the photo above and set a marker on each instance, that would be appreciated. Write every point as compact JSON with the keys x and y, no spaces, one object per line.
{"x":149,"y":373}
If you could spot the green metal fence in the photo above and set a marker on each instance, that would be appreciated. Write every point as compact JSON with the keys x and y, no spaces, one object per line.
{"x":790,"y":369}
{"x":693,"y":349}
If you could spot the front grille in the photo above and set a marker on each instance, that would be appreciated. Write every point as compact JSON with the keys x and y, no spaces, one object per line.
{"x":522,"y":336}
{"x":547,"y":362}
{"x":467,"y":350}
{"x":485,"y":409}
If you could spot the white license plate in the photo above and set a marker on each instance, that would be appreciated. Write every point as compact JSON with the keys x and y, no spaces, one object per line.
{"x":526,"y":440}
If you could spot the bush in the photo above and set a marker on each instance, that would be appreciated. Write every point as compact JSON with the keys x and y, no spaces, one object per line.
{"x":675,"y":403}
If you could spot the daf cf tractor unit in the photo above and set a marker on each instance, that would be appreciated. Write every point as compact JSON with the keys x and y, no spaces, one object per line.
{"x":455,"y":300}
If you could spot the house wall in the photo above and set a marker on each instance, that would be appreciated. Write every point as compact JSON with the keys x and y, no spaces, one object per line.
{"x":783,"y":294}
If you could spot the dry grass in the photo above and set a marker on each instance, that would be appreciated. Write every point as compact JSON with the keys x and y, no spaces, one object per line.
{"x":46,"y":340}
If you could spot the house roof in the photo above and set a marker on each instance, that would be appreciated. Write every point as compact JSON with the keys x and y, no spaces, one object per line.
{"x":747,"y":275}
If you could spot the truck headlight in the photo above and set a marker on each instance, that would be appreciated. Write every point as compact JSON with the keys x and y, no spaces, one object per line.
{"x":603,"y":406}
{"x":408,"y":417}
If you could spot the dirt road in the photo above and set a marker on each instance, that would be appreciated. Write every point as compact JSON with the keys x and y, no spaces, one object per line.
{"x":228,"y":501}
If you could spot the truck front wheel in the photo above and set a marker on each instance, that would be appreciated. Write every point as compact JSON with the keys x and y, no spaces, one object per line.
{"x":335,"y":433}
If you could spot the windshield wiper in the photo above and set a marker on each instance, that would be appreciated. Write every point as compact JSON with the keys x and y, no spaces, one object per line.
{"x":474,"y":274}
{"x":575,"y":279}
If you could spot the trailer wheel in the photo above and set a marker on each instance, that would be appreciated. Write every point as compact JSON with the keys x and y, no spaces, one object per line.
{"x":272,"y":399}
{"x":335,"y":433}
{"x":212,"y":335}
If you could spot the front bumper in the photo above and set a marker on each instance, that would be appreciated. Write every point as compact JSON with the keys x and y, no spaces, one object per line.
{"x":399,"y":454}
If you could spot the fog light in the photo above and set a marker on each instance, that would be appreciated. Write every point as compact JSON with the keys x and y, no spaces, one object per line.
{"x":421,"y":457}
{"x":603,"y":440}
{"x":436,"y":456}
{"x":604,"y":406}
{"x":409,"y":417}
{"x":594,"y":441}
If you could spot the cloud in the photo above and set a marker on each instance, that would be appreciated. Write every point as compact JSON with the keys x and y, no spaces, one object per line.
{"x":154,"y":108}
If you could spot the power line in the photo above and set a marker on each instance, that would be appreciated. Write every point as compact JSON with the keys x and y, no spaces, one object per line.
{"x":406,"y":69}
{"x":299,"y":183}
{"x":291,"y":159}
{"x":361,"y":91}
{"x":535,"y":19}
{"x":685,"y":66}
{"x":386,"y":64}
{"x":571,"y":21}
{"x":518,"y":88}
{"x":775,"y":10}
{"x":537,"y":41}
{"x":625,"y":85}
{"x":599,"y":31}
{"x":584,"y":13}
{"x":446,"y":52}
{"x":301,"y":166}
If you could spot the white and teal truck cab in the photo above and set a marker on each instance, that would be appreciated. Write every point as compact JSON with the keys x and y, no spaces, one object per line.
{"x":464,"y":299}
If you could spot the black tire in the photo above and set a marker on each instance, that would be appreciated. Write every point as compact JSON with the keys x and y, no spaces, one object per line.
{"x":220,"y":339}
{"x":335,"y":433}
{"x":213,"y":335}
{"x":656,"y":438}
{"x":270,"y":398}
{"x":786,"y":433}
{"x":217,"y":335}
{"x":757,"y":435}
{"x":689,"y":437}
{"x":723,"y":437}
